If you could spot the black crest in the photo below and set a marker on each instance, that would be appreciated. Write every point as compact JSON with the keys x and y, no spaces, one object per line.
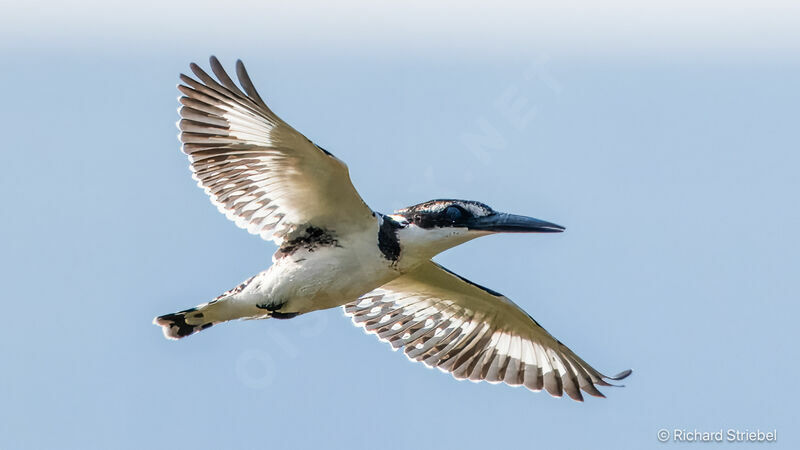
{"x":444,"y":213}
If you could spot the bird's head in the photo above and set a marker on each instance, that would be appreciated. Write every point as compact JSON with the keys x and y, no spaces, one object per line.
{"x":429,"y":228}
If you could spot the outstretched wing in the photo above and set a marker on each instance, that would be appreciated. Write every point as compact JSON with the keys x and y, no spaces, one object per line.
{"x":474,"y":333}
{"x":259,"y":171}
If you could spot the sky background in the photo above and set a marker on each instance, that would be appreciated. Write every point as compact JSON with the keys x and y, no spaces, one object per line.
{"x":664,"y":138}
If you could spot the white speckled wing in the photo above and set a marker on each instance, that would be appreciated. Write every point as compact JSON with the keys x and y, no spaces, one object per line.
{"x":259,"y":171}
{"x":448,"y":322}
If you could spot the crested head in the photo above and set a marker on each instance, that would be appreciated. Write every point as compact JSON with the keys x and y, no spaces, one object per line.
{"x":444,"y":213}
{"x":426,"y":229}
{"x":431,"y":227}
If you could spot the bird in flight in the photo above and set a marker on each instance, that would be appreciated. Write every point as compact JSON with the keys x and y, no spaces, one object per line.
{"x":333,"y":250}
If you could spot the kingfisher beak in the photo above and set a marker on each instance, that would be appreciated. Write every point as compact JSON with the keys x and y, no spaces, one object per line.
{"x":511,"y":223}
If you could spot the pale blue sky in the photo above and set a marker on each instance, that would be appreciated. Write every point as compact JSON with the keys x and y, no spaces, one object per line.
{"x":674,"y":169}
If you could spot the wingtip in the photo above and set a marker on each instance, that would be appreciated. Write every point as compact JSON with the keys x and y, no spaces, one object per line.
{"x":577,"y":396}
{"x":247,"y":84}
{"x":622,"y":375}
{"x":598,"y":394}
{"x":198,"y":71}
{"x":217,"y":68}
{"x":241,"y":72}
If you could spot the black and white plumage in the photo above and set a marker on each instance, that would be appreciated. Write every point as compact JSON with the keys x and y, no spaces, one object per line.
{"x":445,"y":321}
{"x":259,"y":171}
{"x":335,"y":251}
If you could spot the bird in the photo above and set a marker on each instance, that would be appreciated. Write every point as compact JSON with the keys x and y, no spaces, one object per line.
{"x":335,"y":251}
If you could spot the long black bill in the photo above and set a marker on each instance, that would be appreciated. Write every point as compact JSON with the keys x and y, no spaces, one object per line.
{"x":511,"y":223}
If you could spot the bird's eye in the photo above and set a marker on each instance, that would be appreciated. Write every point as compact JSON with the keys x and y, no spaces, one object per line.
{"x":453,"y":213}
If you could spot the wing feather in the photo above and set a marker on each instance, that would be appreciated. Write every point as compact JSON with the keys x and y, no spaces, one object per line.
{"x":259,"y":171}
{"x":445,"y":321}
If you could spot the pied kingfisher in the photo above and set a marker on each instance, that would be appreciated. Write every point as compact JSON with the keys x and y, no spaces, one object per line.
{"x":336,"y":251}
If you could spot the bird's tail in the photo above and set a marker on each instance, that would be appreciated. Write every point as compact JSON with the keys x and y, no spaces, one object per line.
{"x":189,"y":321}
